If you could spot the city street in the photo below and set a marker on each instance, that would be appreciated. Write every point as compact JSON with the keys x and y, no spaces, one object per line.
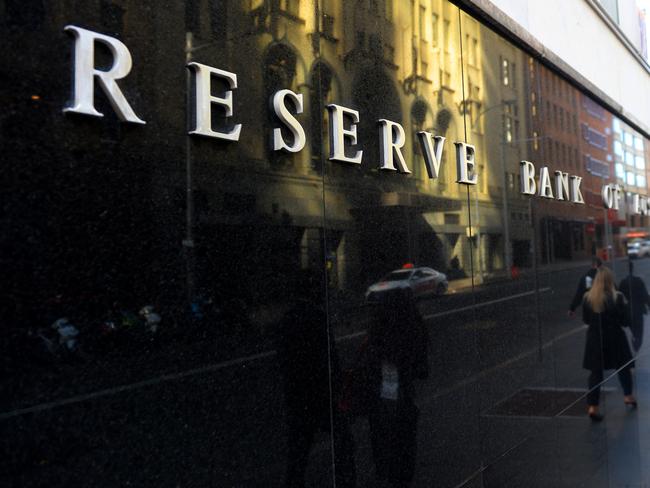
{"x":515,"y":354}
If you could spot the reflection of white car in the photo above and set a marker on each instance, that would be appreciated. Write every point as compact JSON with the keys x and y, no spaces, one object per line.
{"x":421,"y":282}
{"x":638,"y":249}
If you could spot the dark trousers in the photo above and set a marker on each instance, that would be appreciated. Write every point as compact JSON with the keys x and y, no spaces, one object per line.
{"x":302,"y":430}
{"x":393,"y":433}
{"x":596,"y":377}
{"x":636,"y":327}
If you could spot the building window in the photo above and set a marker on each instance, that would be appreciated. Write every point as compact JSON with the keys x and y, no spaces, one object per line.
{"x":639,"y":162}
{"x":630,"y":178}
{"x":638,"y":143}
{"x":507,"y":128}
{"x":327,"y":24}
{"x":506,"y":77}
{"x":535,"y":141}
{"x":290,"y":6}
{"x":388,"y":10}
{"x":618,"y":148}
{"x":620,"y":171}
{"x":640,"y":181}
{"x":617,"y":126}
{"x":629,"y":158}
{"x":434,"y":30}
{"x":510,"y":123}
{"x":593,"y":108}
{"x":445,"y":33}
{"x":597,"y":167}
{"x":511,"y":181}
{"x":628,"y":138}
{"x":594,"y":137}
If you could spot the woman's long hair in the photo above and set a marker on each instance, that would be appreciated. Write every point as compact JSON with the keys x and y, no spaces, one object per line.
{"x":602,"y":290}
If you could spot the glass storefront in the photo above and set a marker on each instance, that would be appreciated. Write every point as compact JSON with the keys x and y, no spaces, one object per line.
{"x":205,"y":310}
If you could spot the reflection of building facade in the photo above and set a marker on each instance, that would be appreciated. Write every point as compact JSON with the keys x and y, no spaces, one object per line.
{"x":629,"y":154}
{"x":503,"y":123}
{"x":596,"y":165}
{"x":403,"y":65}
{"x":256,"y":262}
{"x":569,"y":135}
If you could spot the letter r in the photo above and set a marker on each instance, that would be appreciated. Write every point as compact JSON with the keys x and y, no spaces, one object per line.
{"x":85,"y":74}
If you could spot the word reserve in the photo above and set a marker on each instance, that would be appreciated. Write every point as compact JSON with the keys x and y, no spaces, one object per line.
{"x":342,"y":120}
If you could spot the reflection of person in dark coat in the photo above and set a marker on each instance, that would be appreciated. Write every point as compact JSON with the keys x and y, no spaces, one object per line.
{"x":312,"y":381}
{"x":604,"y":311}
{"x":397,"y":355}
{"x":636,"y":294}
{"x":584,"y":285}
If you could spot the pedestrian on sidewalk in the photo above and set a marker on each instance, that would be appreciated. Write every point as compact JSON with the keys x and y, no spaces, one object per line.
{"x":637,"y":296}
{"x":584,"y":285}
{"x":398,"y":345}
{"x":606,"y":347}
{"x":309,"y":363}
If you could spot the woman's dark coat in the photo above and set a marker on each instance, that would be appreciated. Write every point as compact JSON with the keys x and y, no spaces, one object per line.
{"x":607,"y":346}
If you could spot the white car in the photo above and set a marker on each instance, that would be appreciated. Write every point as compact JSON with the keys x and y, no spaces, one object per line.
{"x":421,"y":282}
{"x":638,"y":249}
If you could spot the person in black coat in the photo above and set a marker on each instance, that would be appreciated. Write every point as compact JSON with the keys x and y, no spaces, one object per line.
{"x":310,"y":368}
{"x":584,"y":285}
{"x":606,"y":347}
{"x":397,"y":356}
{"x":637,"y":296}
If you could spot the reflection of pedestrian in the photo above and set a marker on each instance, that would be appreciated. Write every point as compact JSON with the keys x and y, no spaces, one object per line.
{"x":397,"y":355}
{"x":603,"y":310}
{"x":636,"y":293}
{"x":312,"y":386}
{"x":584,"y":285}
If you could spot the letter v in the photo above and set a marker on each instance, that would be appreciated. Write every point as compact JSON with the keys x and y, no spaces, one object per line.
{"x":432,"y":147}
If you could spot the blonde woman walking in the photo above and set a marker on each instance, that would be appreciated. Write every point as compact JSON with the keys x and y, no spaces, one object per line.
{"x":604,"y":311}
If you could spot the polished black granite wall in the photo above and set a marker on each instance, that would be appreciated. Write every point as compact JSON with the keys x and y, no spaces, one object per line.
{"x":274,"y":362}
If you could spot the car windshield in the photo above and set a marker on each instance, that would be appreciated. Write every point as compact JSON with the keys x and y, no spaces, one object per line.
{"x":398,"y":275}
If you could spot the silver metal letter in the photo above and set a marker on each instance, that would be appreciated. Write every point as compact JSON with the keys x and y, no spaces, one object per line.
{"x":392,"y":140}
{"x":607,"y":194}
{"x":636,"y":204}
{"x":576,"y":195}
{"x":561,"y":185}
{"x":432,"y":147}
{"x":85,"y":74}
{"x":280,"y":108}
{"x":545,"y":188}
{"x":465,"y":163}
{"x":528,"y":186}
{"x":204,"y":100}
{"x":338,"y":133}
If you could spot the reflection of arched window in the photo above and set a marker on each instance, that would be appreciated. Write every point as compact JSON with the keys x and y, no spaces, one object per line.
{"x":444,"y":120}
{"x":321,"y":89}
{"x":420,"y":121}
{"x":375,"y":96}
{"x":279,"y":73}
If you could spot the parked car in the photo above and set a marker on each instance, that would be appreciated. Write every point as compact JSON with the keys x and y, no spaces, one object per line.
{"x":421,"y":282}
{"x":638,"y":248}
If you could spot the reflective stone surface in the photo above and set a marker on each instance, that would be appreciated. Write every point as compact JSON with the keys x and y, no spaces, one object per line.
{"x":188,"y":311}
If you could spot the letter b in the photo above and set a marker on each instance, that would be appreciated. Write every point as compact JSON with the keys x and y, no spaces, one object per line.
{"x":528,"y":186}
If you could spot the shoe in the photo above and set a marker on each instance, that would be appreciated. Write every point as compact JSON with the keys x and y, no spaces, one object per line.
{"x":596,"y":417}
{"x":631,"y":403}
{"x":592,"y":411}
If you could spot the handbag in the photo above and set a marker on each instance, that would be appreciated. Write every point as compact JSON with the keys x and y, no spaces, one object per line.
{"x":356,"y":389}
